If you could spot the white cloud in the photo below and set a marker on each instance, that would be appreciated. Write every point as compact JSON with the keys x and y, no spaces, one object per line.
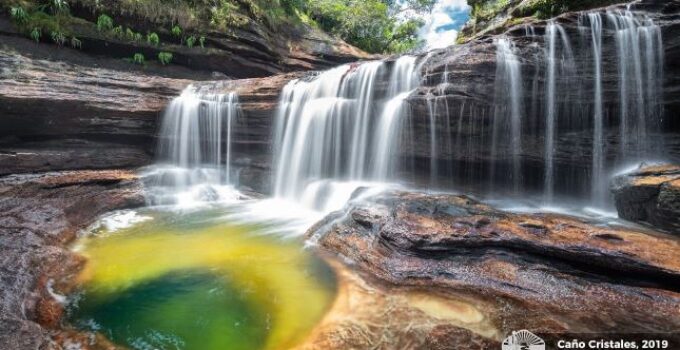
{"x":436,"y":31}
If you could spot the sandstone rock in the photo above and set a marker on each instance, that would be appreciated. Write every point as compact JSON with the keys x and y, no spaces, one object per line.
{"x":544,"y":272}
{"x":650,"y":194}
{"x":39,"y":214}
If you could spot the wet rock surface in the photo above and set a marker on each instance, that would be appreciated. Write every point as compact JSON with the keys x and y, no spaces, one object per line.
{"x":651,"y":195}
{"x":39,"y":215}
{"x":544,"y":272}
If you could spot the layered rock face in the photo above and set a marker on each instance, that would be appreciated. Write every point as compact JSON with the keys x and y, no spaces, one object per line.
{"x":40,"y":214}
{"x":544,"y":272}
{"x":462,"y":90}
{"x":650,"y":194}
{"x":93,"y":114}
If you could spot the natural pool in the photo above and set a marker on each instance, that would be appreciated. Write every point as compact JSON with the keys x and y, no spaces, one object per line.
{"x":199,"y":281}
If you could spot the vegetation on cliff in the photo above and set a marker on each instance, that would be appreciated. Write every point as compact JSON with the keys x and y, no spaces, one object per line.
{"x":376,"y":26}
{"x":489,"y":15}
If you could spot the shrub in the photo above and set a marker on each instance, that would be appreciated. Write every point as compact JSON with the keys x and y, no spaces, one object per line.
{"x":54,"y":6}
{"x":58,"y":37}
{"x":118,"y":32}
{"x":129,"y":34}
{"x":152,"y":38}
{"x":104,"y":22}
{"x":201,"y":41}
{"x":165,"y":58}
{"x":176,"y":31}
{"x":76,"y":43}
{"x":191,"y":41}
{"x":138,"y":58}
{"x":19,"y":15}
{"x":36,"y":34}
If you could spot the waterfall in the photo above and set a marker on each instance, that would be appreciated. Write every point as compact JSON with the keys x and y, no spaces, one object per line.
{"x":339,"y":129}
{"x":599,"y":185}
{"x":640,"y":52}
{"x":194,"y":150}
{"x":508,"y":102}
{"x":560,"y":63}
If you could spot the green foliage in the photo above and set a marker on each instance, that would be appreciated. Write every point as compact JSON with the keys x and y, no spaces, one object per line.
{"x":191,"y":41}
{"x":372,"y":25}
{"x":36,"y":34}
{"x":138,"y":58}
{"x":176,"y":31}
{"x":19,"y":15}
{"x":164,"y":58}
{"x":76,"y":43}
{"x":201,"y":41}
{"x":58,"y":38}
{"x":54,"y":7}
{"x":104,"y":23}
{"x":152,"y":38}
{"x":118,"y":32}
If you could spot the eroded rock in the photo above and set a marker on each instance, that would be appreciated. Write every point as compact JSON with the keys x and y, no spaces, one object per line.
{"x":39,"y":215}
{"x":545,"y":272}
{"x":650,"y":194}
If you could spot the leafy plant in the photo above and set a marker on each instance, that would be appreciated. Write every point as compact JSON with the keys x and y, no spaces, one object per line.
{"x":19,"y":15}
{"x":117,"y":32}
{"x":176,"y":31}
{"x":104,"y":23}
{"x":129,"y":34}
{"x":201,"y":41}
{"x":36,"y":34}
{"x":165,"y":58}
{"x":54,"y":6}
{"x":58,"y":37}
{"x":191,"y":41}
{"x":138,"y":58}
{"x":152,"y":38}
{"x":76,"y":43}
{"x":139,"y":37}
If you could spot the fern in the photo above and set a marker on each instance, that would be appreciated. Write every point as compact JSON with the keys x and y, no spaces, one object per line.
{"x":19,"y":15}
{"x":152,"y":38}
{"x":138,"y":58}
{"x":191,"y":41}
{"x":58,"y":37}
{"x":36,"y":34}
{"x":176,"y":31}
{"x":76,"y":43}
{"x":104,"y":23}
{"x":165,"y":58}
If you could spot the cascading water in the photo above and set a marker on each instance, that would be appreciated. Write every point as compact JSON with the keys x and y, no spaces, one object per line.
{"x":559,"y":64}
{"x":331,"y":135}
{"x":194,"y":152}
{"x":508,"y":107}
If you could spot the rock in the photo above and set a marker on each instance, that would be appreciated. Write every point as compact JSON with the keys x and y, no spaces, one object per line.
{"x":39,"y":215}
{"x":650,"y":194}
{"x":543,"y":272}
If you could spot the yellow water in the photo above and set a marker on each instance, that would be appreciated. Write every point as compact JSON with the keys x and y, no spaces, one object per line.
{"x":279,"y":289}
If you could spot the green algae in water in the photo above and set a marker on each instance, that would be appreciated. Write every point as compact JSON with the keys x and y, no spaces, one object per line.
{"x":191,"y":282}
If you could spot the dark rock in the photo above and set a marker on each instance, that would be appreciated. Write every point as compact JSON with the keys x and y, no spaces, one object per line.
{"x":570,"y":277}
{"x":650,"y":194}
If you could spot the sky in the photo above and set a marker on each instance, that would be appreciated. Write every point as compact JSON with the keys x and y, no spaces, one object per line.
{"x":442,"y":26}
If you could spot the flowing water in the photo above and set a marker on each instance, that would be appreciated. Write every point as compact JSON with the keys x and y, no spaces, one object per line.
{"x":208,"y":268}
{"x":196,"y":280}
{"x":194,"y":149}
{"x":331,"y":136}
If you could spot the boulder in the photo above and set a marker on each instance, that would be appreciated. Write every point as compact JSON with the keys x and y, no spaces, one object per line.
{"x":650,"y":194}
{"x":544,"y":272}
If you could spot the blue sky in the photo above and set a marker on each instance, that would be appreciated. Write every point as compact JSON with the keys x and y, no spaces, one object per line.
{"x":442,"y":26}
